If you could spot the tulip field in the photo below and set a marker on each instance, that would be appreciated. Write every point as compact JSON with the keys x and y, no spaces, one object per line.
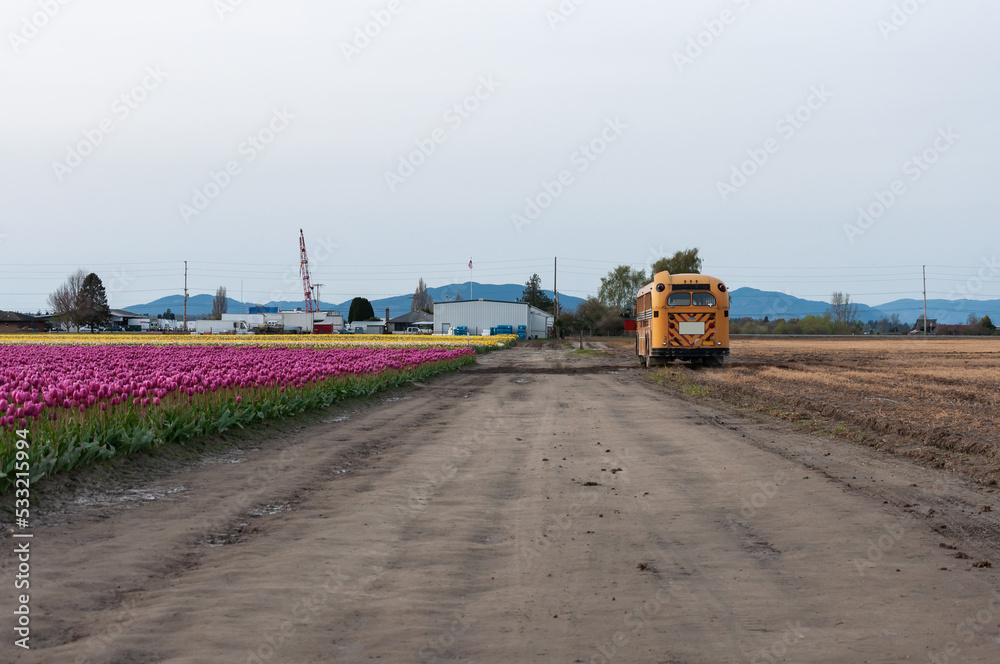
{"x":84,"y":402}
{"x":479,"y":343}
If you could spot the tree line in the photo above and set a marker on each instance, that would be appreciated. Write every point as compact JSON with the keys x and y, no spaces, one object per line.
{"x":605,"y":314}
{"x":830,"y":323}
{"x":80,"y":301}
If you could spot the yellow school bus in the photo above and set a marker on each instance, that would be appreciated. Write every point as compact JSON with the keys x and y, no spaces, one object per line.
{"x":682,"y":317}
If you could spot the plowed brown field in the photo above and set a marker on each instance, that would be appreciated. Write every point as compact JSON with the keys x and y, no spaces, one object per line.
{"x":934,"y":399}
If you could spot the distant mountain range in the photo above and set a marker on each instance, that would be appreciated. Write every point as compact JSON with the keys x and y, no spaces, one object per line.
{"x":753,"y":303}
{"x":745,"y":303}
{"x":400,"y":304}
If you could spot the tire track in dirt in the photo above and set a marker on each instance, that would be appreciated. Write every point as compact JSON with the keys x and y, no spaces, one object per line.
{"x":203,"y":522}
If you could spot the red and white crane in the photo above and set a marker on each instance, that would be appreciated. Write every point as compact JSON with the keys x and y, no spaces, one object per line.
{"x":304,"y":269}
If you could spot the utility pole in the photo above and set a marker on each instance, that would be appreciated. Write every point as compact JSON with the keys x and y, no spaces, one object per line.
{"x":555,"y":287}
{"x":185,"y":296}
{"x":316,"y":287}
{"x":925,"y":300}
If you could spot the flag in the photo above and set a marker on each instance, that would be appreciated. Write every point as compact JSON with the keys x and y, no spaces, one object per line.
{"x":470,"y":263}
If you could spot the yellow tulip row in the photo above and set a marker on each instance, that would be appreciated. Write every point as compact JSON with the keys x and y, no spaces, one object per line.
{"x":303,"y":340}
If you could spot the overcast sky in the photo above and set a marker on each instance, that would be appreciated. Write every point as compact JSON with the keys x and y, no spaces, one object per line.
{"x":407,"y":136}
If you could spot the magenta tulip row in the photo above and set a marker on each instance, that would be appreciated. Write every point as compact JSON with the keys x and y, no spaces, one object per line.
{"x":38,"y":381}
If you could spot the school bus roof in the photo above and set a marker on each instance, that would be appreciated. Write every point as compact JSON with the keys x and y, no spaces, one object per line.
{"x":676,"y":280}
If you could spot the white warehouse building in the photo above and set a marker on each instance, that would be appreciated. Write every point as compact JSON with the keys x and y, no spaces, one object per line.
{"x":478,"y":316}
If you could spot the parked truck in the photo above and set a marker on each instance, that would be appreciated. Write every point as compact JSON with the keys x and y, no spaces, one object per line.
{"x":222,"y":327}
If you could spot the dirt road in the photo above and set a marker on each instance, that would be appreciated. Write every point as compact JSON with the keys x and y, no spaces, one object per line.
{"x":543,"y":506}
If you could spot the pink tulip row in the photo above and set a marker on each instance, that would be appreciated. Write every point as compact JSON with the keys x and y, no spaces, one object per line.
{"x":39,"y":379}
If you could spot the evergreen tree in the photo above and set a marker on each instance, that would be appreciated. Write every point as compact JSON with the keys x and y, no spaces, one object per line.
{"x":535,"y":296}
{"x":361,"y":309}
{"x":92,"y":303}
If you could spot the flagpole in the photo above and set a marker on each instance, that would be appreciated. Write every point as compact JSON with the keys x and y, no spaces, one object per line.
{"x":470,"y":278}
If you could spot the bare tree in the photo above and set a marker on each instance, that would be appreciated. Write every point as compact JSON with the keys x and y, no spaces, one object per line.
{"x":65,"y":300}
{"x":61,"y":302}
{"x":220,"y":304}
{"x":842,"y":310}
{"x":422,"y":300}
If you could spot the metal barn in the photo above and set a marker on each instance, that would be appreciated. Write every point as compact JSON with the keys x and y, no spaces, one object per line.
{"x":479,"y":315}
